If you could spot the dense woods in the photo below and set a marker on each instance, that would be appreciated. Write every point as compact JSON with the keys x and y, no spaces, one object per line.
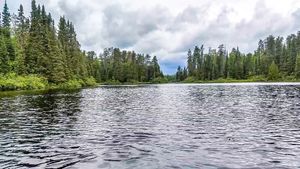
{"x":274,"y":59}
{"x":127,"y":66}
{"x":35,"y":53}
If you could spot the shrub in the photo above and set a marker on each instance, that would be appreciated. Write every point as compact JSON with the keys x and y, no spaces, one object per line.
{"x":190,"y":79}
{"x":71,"y":84}
{"x":112,"y":82}
{"x":273,"y":72}
{"x":12,"y":81}
{"x":160,"y":80}
{"x":90,"y":81}
{"x":260,"y":78}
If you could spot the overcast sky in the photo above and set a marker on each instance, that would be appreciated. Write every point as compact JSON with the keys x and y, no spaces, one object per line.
{"x":168,"y":28}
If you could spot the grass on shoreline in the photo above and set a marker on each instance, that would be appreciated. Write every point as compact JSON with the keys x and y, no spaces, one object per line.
{"x":159,"y":80}
{"x":249,"y":80}
{"x":254,"y":79}
{"x":13,"y":82}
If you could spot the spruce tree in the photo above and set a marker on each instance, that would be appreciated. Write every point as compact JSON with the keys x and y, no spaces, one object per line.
{"x":273,"y":72}
{"x":21,"y":30}
{"x":190,"y":64}
{"x":4,"y":58}
{"x":297,"y":68}
{"x":156,"y":67}
{"x":6,"y":19}
{"x":6,"y":16}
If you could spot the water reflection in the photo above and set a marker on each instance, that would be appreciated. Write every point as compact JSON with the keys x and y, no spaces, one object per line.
{"x":36,"y":129}
{"x":153,"y":126}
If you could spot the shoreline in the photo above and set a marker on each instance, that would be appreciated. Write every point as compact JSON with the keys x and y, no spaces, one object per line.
{"x":57,"y":89}
{"x":204,"y":82}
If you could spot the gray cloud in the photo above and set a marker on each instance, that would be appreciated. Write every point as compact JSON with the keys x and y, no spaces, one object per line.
{"x":125,"y":28}
{"x":74,"y":13}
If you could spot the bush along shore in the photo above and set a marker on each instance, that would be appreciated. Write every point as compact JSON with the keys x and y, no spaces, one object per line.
{"x":12,"y":81}
{"x":254,"y":79}
{"x":158,"y":80}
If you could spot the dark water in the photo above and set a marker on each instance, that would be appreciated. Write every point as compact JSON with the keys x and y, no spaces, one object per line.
{"x":155,"y":126}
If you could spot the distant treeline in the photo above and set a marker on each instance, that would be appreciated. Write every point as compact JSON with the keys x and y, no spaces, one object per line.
{"x":274,"y":59}
{"x":34,"y":46}
{"x":126,"y":66}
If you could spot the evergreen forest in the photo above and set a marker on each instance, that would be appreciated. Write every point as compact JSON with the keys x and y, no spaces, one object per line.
{"x":37,"y":54}
{"x":276,"y":59}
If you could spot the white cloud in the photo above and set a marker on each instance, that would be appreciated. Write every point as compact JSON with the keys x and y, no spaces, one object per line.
{"x":168,"y":28}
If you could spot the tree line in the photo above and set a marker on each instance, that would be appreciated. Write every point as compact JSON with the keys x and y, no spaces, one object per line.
{"x":127,"y":66}
{"x":276,"y":58}
{"x":34,"y":45}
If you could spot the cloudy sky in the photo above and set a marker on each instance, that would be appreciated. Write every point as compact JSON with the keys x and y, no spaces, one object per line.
{"x":168,"y":28}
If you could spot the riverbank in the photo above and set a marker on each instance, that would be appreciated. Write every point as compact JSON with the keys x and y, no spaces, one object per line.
{"x":158,"y":80}
{"x":13,"y":82}
{"x":250,"y":80}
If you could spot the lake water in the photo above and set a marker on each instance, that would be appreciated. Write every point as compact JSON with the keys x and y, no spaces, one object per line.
{"x":154,"y":126}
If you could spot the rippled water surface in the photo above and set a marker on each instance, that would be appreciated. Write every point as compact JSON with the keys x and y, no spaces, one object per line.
{"x":155,"y":126}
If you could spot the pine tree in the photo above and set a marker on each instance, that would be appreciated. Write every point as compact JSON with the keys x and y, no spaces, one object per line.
{"x":190,"y":63}
{"x":297,"y":68}
{"x":34,"y":49}
{"x":6,"y":32}
{"x":4,"y":58}
{"x":220,"y":61}
{"x":21,"y":30}
{"x":273,"y":72}
{"x":179,"y":74}
{"x":6,"y":16}
{"x":156,"y":68}
{"x":55,"y":70}
{"x":185,"y":73}
{"x":291,"y":53}
{"x":226,"y":67}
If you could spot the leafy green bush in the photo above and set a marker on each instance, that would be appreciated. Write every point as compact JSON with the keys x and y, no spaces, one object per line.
{"x":12,"y":81}
{"x":160,"y":80}
{"x":131,"y":82}
{"x":260,"y":78}
{"x":273,"y":72}
{"x":290,"y":78}
{"x":90,"y":81}
{"x":190,"y":79}
{"x":71,"y":84}
{"x":112,"y":82}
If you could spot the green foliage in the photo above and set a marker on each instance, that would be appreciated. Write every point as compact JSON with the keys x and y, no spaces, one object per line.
{"x":70,"y":84}
{"x":291,"y":78}
{"x":181,"y":74}
{"x":159,"y":80}
{"x":75,"y":84}
{"x":273,"y":72}
{"x":127,"y":66}
{"x":112,"y":82}
{"x":256,"y":66}
{"x":4,"y":58}
{"x":297,"y":68}
{"x":259,"y":78}
{"x":90,"y":81}
{"x":6,"y":16}
{"x":190,"y":79}
{"x":171,"y":78}
{"x":14,"y":82}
